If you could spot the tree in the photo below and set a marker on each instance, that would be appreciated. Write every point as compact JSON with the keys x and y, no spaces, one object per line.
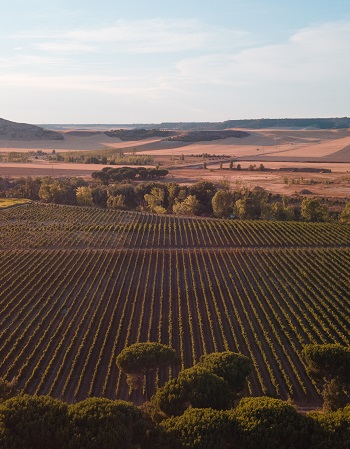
{"x":189,"y":206}
{"x":59,"y":191}
{"x":173,"y":191}
{"x":139,"y":359}
{"x":99,"y":196}
{"x":222,"y":203}
{"x":335,"y":395}
{"x":232,"y":367}
{"x":116,"y":201}
{"x":34,"y":422}
{"x":327,"y":362}
{"x":8,"y":389}
{"x":268,"y":423}
{"x":155,"y":200}
{"x":101,"y":176}
{"x":204,"y":192}
{"x":329,"y":365}
{"x":196,"y":387}
{"x":45,"y":190}
{"x":245,"y":208}
{"x":313,"y":210}
{"x":84,"y":196}
{"x":198,"y":428}
{"x":331,"y":430}
{"x":100,"y":423}
{"x":125,"y":196}
{"x":345,"y":214}
{"x":277,"y":211}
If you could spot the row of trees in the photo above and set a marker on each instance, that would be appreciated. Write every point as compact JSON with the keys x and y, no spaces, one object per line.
{"x":207,"y":199}
{"x":196,"y":410}
{"x":202,"y":199}
{"x":111,"y":175}
{"x":219,"y":378}
{"x":42,"y":422}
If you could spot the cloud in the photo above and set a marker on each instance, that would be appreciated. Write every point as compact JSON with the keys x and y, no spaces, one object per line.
{"x":157,"y":35}
{"x":21,"y":61}
{"x":103,"y":84}
{"x":65,"y":47}
{"x":317,"y":54}
{"x":161,"y":36}
{"x":183,"y":67}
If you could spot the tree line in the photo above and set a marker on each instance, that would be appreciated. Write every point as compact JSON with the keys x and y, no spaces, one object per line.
{"x":140,"y":189}
{"x":202,"y":408}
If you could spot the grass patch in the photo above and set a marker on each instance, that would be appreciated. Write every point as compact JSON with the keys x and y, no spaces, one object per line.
{"x":10,"y":202}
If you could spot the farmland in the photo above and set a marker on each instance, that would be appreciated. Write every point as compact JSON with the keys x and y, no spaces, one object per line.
{"x":78,"y":285}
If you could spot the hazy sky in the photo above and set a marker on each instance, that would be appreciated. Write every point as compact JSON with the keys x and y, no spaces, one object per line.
{"x":144,"y":61}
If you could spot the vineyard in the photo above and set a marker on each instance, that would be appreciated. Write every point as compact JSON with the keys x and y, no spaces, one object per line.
{"x":78,"y":285}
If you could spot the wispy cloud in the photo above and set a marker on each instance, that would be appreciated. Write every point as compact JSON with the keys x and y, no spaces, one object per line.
{"x":65,"y":47}
{"x":103,"y":84}
{"x":141,"y":36}
{"x":175,"y":66}
{"x":312,"y":54}
{"x":19,"y":61}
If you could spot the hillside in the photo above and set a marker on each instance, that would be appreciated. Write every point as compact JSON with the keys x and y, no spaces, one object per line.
{"x":23,"y":131}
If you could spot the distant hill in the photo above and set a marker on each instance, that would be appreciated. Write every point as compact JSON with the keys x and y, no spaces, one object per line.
{"x":263,"y":123}
{"x":318,"y":123}
{"x":23,"y":131}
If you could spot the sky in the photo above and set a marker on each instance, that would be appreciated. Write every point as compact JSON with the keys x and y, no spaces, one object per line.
{"x":138,"y":61}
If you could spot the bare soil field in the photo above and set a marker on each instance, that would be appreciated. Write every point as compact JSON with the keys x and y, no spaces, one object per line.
{"x":294,"y":143}
{"x":46,"y":169}
{"x":277,"y":143}
{"x":274,"y":148}
{"x":335,"y":185}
